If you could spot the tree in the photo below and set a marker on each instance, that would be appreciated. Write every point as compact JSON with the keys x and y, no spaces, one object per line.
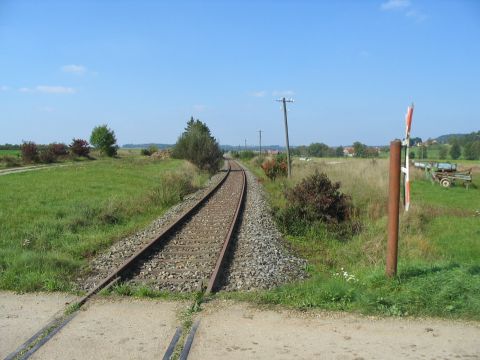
{"x":471,"y":151}
{"x":415,"y":140}
{"x":339,"y":151}
{"x":318,"y":150}
{"x":104,"y":139}
{"x":455,"y":150}
{"x":198,"y":145}
{"x":442,"y":152}
{"x":359,"y":149}
{"x":79,"y":147}
{"x":423,"y":152}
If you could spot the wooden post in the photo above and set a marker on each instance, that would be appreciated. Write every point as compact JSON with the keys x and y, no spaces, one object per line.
{"x":393,"y":207}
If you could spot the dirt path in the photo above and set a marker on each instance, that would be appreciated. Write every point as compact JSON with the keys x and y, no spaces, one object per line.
{"x":29,"y":168}
{"x":116,"y":329}
{"x":126,"y":328}
{"x":238,"y":331}
{"x":23,"y":315}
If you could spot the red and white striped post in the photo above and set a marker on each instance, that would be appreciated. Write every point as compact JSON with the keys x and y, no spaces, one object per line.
{"x":406,"y":168}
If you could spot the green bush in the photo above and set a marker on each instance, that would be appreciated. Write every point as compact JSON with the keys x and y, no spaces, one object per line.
{"x":197,"y":145}
{"x":104,"y":140}
{"x":246,"y":154}
{"x":10,"y":161}
{"x":171,"y":189}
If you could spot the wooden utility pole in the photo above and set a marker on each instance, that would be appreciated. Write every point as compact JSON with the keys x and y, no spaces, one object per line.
{"x":284,"y":102}
{"x":393,"y":207}
{"x":245,"y":144}
{"x":260,"y":147}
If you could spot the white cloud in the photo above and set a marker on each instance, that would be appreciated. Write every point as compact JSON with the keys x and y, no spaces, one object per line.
{"x":405,"y":7}
{"x":395,"y":4}
{"x":283,"y":93}
{"x":416,"y":15}
{"x":4,"y":88}
{"x":46,"y":89}
{"x":55,"y":89}
{"x":260,"y":93}
{"x":25,"y":90}
{"x":74,"y":69}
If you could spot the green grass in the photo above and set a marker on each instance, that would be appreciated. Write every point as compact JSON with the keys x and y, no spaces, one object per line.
{"x":9,"y":152}
{"x":439,"y":249}
{"x":53,"y":221}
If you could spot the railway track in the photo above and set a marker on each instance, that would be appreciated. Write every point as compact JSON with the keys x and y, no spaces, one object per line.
{"x":188,"y":255}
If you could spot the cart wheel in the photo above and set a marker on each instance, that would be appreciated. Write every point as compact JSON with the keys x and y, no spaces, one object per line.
{"x":445,"y":182}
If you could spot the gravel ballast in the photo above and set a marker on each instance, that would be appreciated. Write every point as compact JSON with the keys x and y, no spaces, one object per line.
{"x":258,"y":258}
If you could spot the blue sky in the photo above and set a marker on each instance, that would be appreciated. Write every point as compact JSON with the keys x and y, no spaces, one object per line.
{"x":145,"y":67}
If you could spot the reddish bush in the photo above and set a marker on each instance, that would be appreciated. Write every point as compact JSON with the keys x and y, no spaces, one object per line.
{"x":274,"y":168}
{"x":29,"y":152}
{"x":317,"y":198}
{"x":58,"y":149}
{"x":47,"y":156}
{"x":80,"y":147}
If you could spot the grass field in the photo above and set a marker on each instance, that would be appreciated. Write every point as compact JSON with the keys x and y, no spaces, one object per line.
{"x":52,"y":221}
{"x":9,"y":152}
{"x":439,"y":250}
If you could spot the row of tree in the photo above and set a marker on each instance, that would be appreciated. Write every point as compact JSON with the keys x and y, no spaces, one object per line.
{"x":470,"y":151}
{"x":102,"y":138}
{"x":323,"y":150}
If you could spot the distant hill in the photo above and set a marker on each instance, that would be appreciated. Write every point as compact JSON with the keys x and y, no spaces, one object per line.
{"x":223,"y":147}
{"x":443,"y":139}
{"x":144,"y":146}
{"x":446,"y":138}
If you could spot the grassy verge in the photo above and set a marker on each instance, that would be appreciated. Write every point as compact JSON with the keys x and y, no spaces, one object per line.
{"x":439,"y":254}
{"x":52,"y":221}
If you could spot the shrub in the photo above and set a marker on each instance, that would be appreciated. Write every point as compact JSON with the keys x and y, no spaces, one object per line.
{"x":172,"y":188}
{"x":197,"y":145}
{"x":10,"y":161}
{"x":104,"y":140}
{"x":47,"y":156}
{"x":317,"y":198}
{"x":153,"y":149}
{"x":79,"y":147}
{"x":58,"y":149}
{"x":145,"y":152}
{"x":29,"y":152}
{"x":246,"y":154}
{"x":275,"y":167}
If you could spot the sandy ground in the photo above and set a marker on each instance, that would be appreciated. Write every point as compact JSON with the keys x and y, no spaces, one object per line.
{"x":23,"y":315}
{"x":116,"y":329}
{"x":239,"y":331}
{"x":126,"y":328}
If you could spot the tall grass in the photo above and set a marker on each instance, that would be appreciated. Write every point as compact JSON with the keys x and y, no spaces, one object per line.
{"x":439,"y":249}
{"x":52,"y":221}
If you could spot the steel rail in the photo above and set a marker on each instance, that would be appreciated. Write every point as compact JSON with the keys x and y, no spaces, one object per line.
{"x":37,"y":340}
{"x":130,"y":261}
{"x":227,"y":241}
